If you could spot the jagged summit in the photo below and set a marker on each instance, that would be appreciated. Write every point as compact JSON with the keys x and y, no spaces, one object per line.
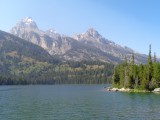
{"x":24,"y":26}
{"x":53,"y":33}
{"x":90,"y":35}
{"x":27,"y":29}
{"x":27,"y":22}
{"x":91,"y":32}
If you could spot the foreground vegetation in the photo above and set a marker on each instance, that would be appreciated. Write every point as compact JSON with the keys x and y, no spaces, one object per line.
{"x":139,"y":77}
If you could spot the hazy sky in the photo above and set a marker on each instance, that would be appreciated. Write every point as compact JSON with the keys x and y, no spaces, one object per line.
{"x":132,"y":23}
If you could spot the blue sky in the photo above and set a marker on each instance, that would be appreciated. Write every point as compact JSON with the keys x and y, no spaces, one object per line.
{"x":132,"y":23}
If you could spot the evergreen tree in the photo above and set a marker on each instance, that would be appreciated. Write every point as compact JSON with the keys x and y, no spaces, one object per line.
{"x":150,"y":66}
{"x":125,"y":61}
{"x":156,"y":73}
{"x":116,"y":77}
{"x":155,"y":58}
{"x":140,"y":73}
{"x":131,"y":78}
{"x":126,"y":75}
{"x":136,"y":79}
{"x":145,"y":79}
{"x":122,"y":74}
{"x":132,"y":59}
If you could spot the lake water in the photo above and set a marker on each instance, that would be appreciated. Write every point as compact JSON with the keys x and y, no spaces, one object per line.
{"x":75,"y":102}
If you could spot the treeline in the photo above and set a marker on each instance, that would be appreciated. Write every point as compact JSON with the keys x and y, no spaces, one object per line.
{"x":133,"y":76}
{"x":85,"y":72}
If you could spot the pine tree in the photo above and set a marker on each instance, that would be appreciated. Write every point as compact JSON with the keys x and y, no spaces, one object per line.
{"x":155,"y":58}
{"x":156,"y":73}
{"x":126,"y":73}
{"x":116,"y":77}
{"x":131,"y":79}
{"x":136,"y":79}
{"x":140,"y":73}
{"x":122,"y":74}
{"x":132,"y":59}
{"x":145,"y":79}
{"x":150,"y":66}
{"x":125,"y":61}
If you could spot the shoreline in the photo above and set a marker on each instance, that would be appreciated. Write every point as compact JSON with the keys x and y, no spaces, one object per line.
{"x":156,"y":90}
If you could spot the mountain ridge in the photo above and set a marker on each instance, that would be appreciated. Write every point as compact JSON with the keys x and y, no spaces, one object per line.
{"x":86,"y":46}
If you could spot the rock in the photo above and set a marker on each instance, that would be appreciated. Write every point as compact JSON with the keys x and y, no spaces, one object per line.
{"x":156,"y":90}
{"x":112,"y":89}
{"x":116,"y":89}
{"x":122,"y":89}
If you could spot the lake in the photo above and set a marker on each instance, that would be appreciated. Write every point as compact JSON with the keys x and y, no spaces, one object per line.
{"x":75,"y":102}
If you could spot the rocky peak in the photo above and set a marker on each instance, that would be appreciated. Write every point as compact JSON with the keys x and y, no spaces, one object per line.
{"x":52,"y":33}
{"x":24,"y":26}
{"x":27,"y":23}
{"x":28,"y":20}
{"x":92,"y":33}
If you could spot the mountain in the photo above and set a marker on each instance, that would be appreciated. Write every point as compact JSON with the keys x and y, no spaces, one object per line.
{"x":18,"y":55}
{"x":87,"y":46}
{"x":92,"y":38}
{"x":16,"y":47}
{"x":10,"y":43}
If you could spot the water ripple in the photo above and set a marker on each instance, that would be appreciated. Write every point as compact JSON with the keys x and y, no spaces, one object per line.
{"x":75,"y":102}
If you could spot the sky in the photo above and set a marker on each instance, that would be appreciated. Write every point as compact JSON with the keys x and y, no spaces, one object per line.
{"x":131,"y":23}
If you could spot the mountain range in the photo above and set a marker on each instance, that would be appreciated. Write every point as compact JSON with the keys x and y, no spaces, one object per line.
{"x":87,"y":46}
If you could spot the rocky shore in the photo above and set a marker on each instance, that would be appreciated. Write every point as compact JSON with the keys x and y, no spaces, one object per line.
{"x":156,"y":90}
{"x":117,"y":89}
